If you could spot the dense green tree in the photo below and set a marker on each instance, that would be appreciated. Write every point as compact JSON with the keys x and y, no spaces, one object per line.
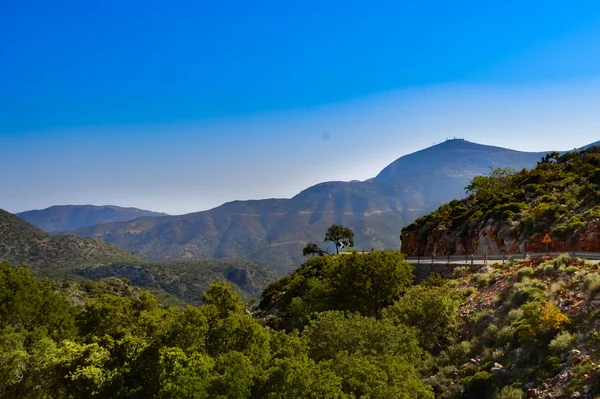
{"x":26,"y":303}
{"x":223,"y":296}
{"x":302,"y":377}
{"x":363,"y":283}
{"x":333,"y":332}
{"x":379,"y":377}
{"x":366,"y":283}
{"x":313,"y":249}
{"x":485,"y":187}
{"x":130,"y":346}
{"x":183,"y":376}
{"x":341,"y":236}
{"x":432,"y":310}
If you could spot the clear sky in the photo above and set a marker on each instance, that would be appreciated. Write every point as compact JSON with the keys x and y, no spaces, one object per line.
{"x":180,"y":106}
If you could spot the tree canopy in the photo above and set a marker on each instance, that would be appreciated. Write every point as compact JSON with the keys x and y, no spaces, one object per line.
{"x":340,"y":236}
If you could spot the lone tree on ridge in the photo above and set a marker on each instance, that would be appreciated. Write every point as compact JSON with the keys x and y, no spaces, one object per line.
{"x":341,"y":236}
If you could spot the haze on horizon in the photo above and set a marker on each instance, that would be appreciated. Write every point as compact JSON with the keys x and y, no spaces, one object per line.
{"x":181,"y":108}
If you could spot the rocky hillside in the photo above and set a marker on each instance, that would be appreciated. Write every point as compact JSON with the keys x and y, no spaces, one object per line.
{"x":523,"y":329}
{"x":68,"y":217}
{"x":20,"y":242}
{"x":526,"y":329}
{"x":512,"y":212}
{"x":276,"y":230}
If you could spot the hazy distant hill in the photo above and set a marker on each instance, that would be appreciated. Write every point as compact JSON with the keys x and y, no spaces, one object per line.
{"x":21,"y":242}
{"x":276,"y":230}
{"x":68,"y":217}
{"x":441,"y":172}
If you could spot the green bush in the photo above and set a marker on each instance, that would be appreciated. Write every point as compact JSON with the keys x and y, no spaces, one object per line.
{"x":490,"y":335}
{"x":481,"y":280}
{"x":552,"y":364}
{"x":507,"y":334}
{"x":545,"y":269}
{"x":562,"y":343}
{"x":510,"y":392}
{"x":563,"y":260}
{"x":525,"y":272}
{"x":571,"y":269}
{"x":514,"y":315}
{"x":590,"y":279}
{"x":459,"y":271}
{"x":431,"y":309}
{"x":479,"y":316}
{"x":454,"y":354}
{"x":594,"y":289}
{"x":528,"y":290}
{"x":479,"y":385}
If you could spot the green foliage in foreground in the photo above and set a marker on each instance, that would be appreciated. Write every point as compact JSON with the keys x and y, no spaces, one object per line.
{"x":116,"y":346}
{"x":347,"y":326}
{"x":362,"y":283}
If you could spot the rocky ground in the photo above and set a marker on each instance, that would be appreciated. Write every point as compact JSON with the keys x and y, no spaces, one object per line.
{"x":535,"y":324}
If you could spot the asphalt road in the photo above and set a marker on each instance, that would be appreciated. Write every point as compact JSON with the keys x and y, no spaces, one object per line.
{"x":481,"y":259}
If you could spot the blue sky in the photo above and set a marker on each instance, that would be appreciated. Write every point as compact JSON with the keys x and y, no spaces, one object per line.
{"x":180,"y":106}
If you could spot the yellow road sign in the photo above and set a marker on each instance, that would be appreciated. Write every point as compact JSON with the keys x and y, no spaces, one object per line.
{"x":547,"y":239}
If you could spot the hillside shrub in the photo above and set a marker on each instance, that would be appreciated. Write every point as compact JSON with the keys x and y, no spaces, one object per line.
{"x":545,"y":269}
{"x":590,"y":279}
{"x":510,"y":392}
{"x":552,"y":319}
{"x":479,"y":385}
{"x":556,"y":288}
{"x":459,"y":271}
{"x":525,"y":272}
{"x":562,"y":343}
{"x":490,"y":335}
{"x":507,"y":334}
{"x":457,"y":353}
{"x":594,"y":289}
{"x":571,"y":269}
{"x":479,"y":316}
{"x":432,"y":310}
{"x":527,"y":290}
{"x":481,"y":280}
{"x":514,"y":315}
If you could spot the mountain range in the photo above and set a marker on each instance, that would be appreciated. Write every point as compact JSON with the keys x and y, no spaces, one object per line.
{"x":68,"y":217}
{"x":276,"y":230}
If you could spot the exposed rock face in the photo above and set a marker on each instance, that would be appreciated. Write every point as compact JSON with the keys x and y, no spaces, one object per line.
{"x":502,"y":237}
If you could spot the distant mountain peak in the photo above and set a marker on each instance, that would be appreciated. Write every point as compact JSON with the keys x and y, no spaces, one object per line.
{"x":458,"y":155}
{"x":67,"y":217}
